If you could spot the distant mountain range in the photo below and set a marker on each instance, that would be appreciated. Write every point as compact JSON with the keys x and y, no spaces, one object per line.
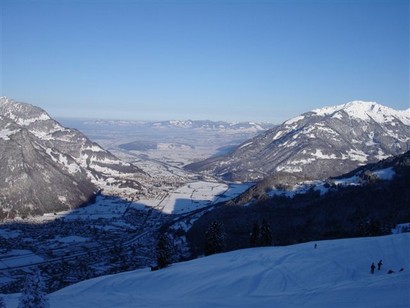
{"x":46,"y":167}
{"x":318,"y":144}
{"x":175,"y":142}
{"x":245,"y":127}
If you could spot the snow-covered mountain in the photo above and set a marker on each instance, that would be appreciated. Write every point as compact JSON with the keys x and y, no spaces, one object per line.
{"x":37,"y":179}
{"x":318,"y":144}
{"x":48,"y":167}
{"x":335,"y":274}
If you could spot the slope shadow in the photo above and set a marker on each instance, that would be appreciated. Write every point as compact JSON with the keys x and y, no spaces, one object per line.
{"x":97,"y":239}
{"x":113,"y":232}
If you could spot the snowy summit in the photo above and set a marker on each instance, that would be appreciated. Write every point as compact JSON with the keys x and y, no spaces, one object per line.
{"x":366,"y":111}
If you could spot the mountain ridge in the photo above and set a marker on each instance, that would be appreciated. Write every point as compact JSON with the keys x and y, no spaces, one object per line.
{"x":317,"y":144}
{"x":67,"y":169}
{"x":246,"y":126}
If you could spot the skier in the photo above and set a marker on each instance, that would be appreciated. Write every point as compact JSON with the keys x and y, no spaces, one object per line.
{"x":379,"y":265}
{"x":315,"y":246}
{"x":372,"y":267}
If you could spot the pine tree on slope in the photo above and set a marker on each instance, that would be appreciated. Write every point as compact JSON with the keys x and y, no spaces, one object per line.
{"x":164,"y":251}
{"x":34,"y":295}
{"x":266,"y":234}
{"x":214,"y":239}
{"x":255,"y":236}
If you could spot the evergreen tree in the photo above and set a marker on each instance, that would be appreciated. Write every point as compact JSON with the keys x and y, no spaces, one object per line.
{"x":2,"y":303}
{"x":214,"y":239}
{"x":266,"y":234}
{"x":164,"y":251}
{"x":33,"y":295}
{"x":255,"y":235}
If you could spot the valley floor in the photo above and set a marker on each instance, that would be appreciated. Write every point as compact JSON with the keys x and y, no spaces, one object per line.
{"x":109,"y":236}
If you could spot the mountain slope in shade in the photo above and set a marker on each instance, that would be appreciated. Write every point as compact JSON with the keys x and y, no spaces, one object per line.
{"x":32,"y":182}
{"x":385,"y":170}
{"x":318,"y":144}
{"x":335,"y":274}
{"x":370,"y":200}
{"x":48,"y":167}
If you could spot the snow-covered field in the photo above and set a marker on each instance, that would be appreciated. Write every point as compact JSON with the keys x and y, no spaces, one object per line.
{"x":193,"y":196}
{"x":104,"y":207}
{"x":18,"y":257}
{"x":335,"y":274}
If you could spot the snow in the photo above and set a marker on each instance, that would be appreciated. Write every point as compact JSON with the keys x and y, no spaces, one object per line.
{"x":357,"y":155}
{"x":354,"y":180}
{"x":187,"y":198}
{"x":385,"y":174}
{"x":9,"y":234}
{"x":335,"y":274}
{"x":277,"y":135}
{"x":401,"y":228}
{"x":381,"y":155}
{"x":319,"y":154}
{"x":72,"y":239}
{"x":294,"y":120}
{"x":289,"y":169}
{"x":104,"y":207}
{"x":28,"y":121}
{"x":327,"y":130}
{"x":302,"y":161}
{"x":245,"y":145}
{"x":18,"y":257}
{"x":5,"y":133}
{"x":94,"y":148}
{"x":62,"y":160}
{"x":367,"y":111}
{"x":300,"y":188}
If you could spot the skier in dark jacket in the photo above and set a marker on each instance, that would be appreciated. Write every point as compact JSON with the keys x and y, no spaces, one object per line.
{"x":372,"y":267}
{"x":379,"y":265}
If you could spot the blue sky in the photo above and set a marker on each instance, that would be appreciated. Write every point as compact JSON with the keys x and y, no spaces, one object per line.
{"x":217,"y":60}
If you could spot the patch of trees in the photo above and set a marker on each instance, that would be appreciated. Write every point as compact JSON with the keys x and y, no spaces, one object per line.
{"x":164,"y":251}
{"x":261,"y":235}
{"x":214,"y":239}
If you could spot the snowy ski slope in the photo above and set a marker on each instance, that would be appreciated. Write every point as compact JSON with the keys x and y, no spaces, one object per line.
{"x":335,"y":274}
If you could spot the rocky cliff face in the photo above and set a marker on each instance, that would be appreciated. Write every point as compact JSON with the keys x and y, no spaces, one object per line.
{"x":318,"y":144}
{"x":46,"y":167}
